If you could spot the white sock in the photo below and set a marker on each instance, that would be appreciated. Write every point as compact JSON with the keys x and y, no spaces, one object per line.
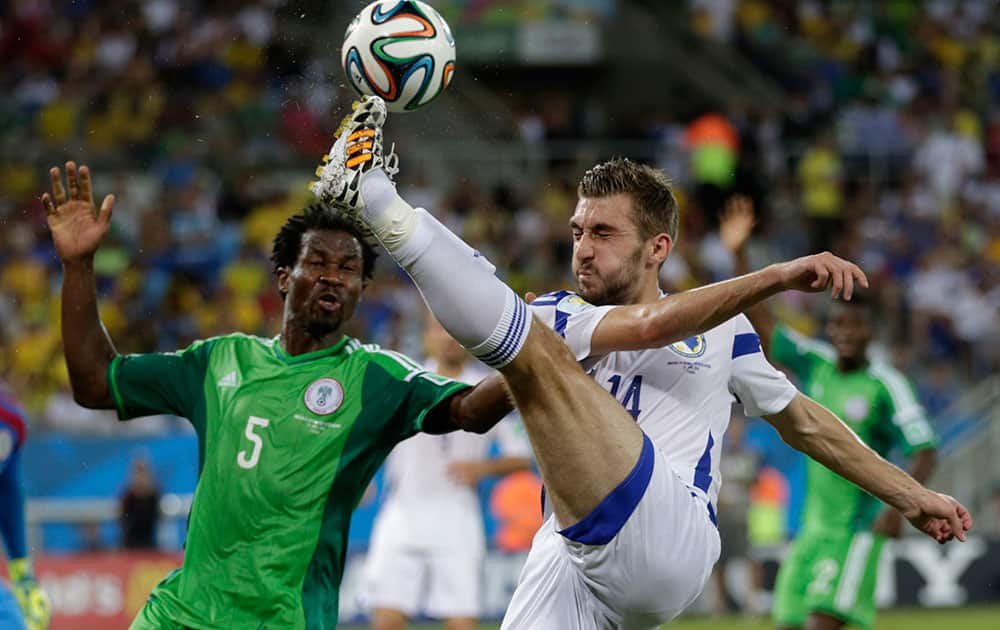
{"x":457,"y":282}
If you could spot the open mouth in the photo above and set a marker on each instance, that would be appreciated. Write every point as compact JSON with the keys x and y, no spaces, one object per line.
{"x":328,"y":302}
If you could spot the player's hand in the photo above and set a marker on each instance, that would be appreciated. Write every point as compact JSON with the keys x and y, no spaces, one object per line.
{"x":530,"y":297}
{"x":820,"y":272}
{"x":466,"y":473}
{"x":939,"y":516}
{"x":30,"y":597}
{"x":77,"y":225}
{"x":737,"y":223}
{"x":889,"y":524}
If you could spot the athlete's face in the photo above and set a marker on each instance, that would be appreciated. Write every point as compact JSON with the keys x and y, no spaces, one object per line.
{"x":608,"y":253}
{"x":849,"y":330}
{"x":325,"y":285}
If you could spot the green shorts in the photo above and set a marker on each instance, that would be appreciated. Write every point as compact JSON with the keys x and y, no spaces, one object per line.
{"x":829,"y":573}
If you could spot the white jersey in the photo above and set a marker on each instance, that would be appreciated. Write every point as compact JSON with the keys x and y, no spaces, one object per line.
{"x":428,"y":542}
{"x":681,"y":395}
{"x":417,"y":481}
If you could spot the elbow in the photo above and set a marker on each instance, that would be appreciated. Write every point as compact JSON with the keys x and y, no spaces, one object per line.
{"x":653,"y":330}
{"x":799,"y":424}
{"x":470,"y":425}
{"x":84,"y":399}
{"x":461,"y":416}
{"x":793,"y":437}
{"x":89,"y":398}
{"x":803,"y":434}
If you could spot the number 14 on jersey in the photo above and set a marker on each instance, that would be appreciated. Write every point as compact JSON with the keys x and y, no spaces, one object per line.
{"x":631,"y":399}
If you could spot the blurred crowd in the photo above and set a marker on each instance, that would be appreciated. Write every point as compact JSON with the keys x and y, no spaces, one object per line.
{"x":888,"y":152}
{"x":207,"y":118}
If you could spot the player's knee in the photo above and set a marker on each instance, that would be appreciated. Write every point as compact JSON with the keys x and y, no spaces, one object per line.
{"x":388,"y":619}
{"x":821,"y":621}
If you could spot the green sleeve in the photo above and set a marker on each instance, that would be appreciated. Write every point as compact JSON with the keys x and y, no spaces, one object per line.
{"x":426,"y":392}
{"x":159,"y":383}
{"x":909,"y":426}
{"x":796,"y":352}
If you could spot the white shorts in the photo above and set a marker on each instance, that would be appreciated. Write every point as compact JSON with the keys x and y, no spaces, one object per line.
{"x":440,"y":582}
{"x":639,"y":559}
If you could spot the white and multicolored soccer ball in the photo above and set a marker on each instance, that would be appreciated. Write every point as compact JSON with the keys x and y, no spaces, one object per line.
{"x":401,"y":50}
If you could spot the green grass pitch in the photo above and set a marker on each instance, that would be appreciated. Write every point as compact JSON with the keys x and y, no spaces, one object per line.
{"x":911,"y":619}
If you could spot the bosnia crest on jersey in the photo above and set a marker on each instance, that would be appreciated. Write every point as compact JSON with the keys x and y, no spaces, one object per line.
{"x":691,"y":347}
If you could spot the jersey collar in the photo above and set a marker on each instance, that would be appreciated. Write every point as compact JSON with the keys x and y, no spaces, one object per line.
{"x":284,"y":357}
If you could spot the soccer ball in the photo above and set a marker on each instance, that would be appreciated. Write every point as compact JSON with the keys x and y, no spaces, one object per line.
{"x":401,"y":50}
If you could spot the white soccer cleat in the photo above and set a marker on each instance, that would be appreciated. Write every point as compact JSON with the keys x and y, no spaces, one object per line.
{"x":356,"y":151}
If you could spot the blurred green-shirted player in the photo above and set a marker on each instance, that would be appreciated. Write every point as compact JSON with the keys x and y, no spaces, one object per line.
{"x":831,"y":569}
{"x":290,"y":430}
{"x":829,"y":575}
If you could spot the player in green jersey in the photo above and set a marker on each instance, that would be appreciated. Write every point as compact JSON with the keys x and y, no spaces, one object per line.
{"x":829,"y":576}
{"x":290,"y":430}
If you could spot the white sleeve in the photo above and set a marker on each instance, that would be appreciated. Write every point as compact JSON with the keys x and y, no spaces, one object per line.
{"x":511,"y":438}
{"x":759,"y":386}
{"x":572,"y":317}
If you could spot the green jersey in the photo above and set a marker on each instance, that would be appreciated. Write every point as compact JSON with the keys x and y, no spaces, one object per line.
{"x":286,"y":447}
{"x":877,"y":402}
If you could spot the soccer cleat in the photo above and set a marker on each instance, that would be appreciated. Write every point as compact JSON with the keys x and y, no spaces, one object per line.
{"x":357,"y":150}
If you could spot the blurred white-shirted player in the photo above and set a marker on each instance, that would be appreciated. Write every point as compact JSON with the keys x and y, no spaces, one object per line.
{"x":630,"y":540}
{"x":428,"y":543}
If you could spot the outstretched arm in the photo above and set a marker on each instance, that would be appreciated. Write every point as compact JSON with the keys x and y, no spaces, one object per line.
{"x":811,"y":428}
{"x":669,"y":319}
{"x":679,"y":316}
{"x":77,"y":229}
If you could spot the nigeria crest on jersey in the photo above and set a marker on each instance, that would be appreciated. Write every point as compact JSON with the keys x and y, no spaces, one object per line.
{"x":324,"y":396}
{"x":691,"y":347}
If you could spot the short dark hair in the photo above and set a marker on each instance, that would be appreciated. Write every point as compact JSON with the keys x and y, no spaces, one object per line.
{"x":861,"y":299}
{"x":318,"y":216}
{"x":652,"y":197}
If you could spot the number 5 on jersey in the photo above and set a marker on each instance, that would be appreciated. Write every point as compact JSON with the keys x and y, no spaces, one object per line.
{"x":250,"y":460}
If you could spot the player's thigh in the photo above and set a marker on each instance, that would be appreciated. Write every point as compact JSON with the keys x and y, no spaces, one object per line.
{"x":394,"y":578}
{"x":454,"y":582}
{"x":152,"y":617}
{"x":794,"y":575}
{"x":10,"y":612}
{"x":845,"y":577}
{"x":546,"y":377}
{"x":550,"y":591}
{"x":661,"y":557}
{"x":585,"y":442}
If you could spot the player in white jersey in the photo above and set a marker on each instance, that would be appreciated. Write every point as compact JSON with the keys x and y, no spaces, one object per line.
{"x":428,"y":543}
{"x":629,"y":542}
{"x":680,"y":394}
